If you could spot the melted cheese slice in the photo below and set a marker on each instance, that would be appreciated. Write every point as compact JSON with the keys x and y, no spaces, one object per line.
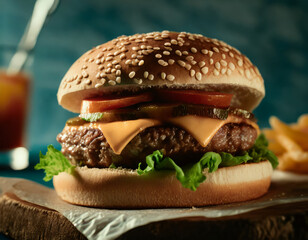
{"x":119,"y":134}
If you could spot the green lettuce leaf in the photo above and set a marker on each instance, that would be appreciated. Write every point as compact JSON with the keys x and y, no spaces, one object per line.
{"x":191,"y":176}
{"x":91,"y":117}
{"x":54,"y":162}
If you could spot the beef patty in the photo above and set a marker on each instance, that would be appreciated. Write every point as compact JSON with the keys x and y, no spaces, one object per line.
{"x":89,"y":146}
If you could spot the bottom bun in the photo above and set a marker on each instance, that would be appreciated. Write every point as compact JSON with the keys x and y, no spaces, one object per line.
{"x":123,"y":188}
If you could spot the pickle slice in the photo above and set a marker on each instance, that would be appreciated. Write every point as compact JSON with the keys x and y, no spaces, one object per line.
{"x":167,"y":111}
{"x":162,"y":111}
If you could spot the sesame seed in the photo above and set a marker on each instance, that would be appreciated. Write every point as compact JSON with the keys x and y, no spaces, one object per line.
{"x":217,"y":65}
{"x":168,"y":48}
{"x":241,"y":71}
{"x":185,"y":53}
{"x":129,"y":61}
{"x":170,"y":77}
{"x":143,"y":47}
{"x":91,"y":60}
{"x":174,"y":42}
{"x":99,"y":55}
{"x":223,"y":70}
{"x":113,"y":70}
{"x":189,"y":58}
{"x":84,"y":67}
{"x":135,"y":62}
{"x":170,"y":61}
{"x":191,"y":38}
{"x":98,"y":61}
{"x":223,"y":63}
{"x":216,"y":72}
{"x":158,"y":55}
{"x":151,"y":77}
{"x":223,"y":56}
{"x":158,"y":38}
{"x":181,"y":63}
{"x":131,"y":74}
{"x":211,"y":61}
{"x":167,"y":44}
{"x":192,"y":72}
{"x":118,"y":66}
{"x":88,"y":82}
{"x":229,"y":72}
{"x":102,"y":60}
{"x":134,"y":55}
{"x":163,"y":75}
{"x":204,"y":70}
{"x":193,"y":62}
{"x":166,"y":53}
{"x":180,"y":44}
{"x":231,"y":66}
{"x":141,"y":63}
{"x":109,"y":54}
{"x":115,"y":62}
{"x":103,"y":80}
{"x":215,"y":49}
{"x":98,"y":75}
{"x":118,"y":79}
{"x":188,"y":66}
{"x":231,"y":54}
{"x":109,"y":65}
{"x":146,"y":74}
{"x":240,"y":63}
{"x":193,"y":50}
{"x":85,"y":75}
{"x":204,"y":51}
{"x":112,"y":82}
{"x":198,"y":76}
{"x":109,"y":58}
{"x":103,"y":75}
{"x":97,"y":85}
{"x":211,"y":53}
{"x":247,"y":73}
{"x":201,"y":64}
{"x":162,"y":62}
{"x":178,"y":52}
{"x":78,"y":82}
{"x":156,"y":48}
{"x":138,"y":81}
{"x":118,"y":72}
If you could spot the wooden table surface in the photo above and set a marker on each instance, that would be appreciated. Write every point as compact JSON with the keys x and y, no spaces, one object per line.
{"x":20,"y":219}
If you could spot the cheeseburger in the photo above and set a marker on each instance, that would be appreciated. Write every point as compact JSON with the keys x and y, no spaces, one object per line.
{"x":165,"y":121}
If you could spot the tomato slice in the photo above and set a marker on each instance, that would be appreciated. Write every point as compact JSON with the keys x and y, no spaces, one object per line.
{"x":103,"y":104}
{"x":216,"y":99}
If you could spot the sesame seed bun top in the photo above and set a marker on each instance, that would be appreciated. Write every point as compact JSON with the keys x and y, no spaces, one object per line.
{"x":162,"y":59}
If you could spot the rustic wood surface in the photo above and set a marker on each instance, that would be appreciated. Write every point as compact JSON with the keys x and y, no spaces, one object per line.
{"x":23,"y":220}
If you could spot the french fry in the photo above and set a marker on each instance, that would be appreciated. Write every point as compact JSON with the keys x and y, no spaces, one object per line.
{"x":286,"y":163}
{"x":270,"y":134}
{"x":288,"y":144}
{"x":276,"y":148}
{"x":299,"y":137}
{"x":303,"y":121}
{"x":298,"y":156}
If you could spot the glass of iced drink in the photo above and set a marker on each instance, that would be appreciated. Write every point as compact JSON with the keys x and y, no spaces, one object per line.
{"x":14,"y":99}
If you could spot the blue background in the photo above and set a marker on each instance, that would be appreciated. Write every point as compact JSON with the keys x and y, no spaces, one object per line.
{"x":273,"y":34}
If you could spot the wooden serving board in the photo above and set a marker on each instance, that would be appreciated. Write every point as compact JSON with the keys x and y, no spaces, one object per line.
{"x":20,"y":219}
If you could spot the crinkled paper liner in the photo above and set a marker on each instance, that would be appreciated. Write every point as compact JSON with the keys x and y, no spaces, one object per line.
{"x":97,"y":223}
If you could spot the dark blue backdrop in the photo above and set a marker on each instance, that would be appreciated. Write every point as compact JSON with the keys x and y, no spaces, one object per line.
{"x":273,"y":34}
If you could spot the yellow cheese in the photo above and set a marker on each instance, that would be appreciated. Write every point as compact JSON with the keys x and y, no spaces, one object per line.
{"x":119,"y":134}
